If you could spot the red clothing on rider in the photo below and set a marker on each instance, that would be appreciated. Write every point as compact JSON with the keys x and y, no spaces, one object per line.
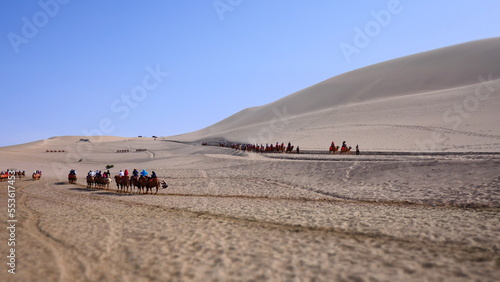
{"x":125,"y":172}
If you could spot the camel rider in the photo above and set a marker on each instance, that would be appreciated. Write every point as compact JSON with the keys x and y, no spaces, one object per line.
{"x":72,"y":172}
{"x":144,"y":173}
{"x":153,"y":174}
{"x":121,"y":174}
{"x":135,"y":173}
{"x":125,"y":172}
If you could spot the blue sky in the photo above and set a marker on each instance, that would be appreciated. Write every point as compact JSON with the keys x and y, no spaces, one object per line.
{"x":130,"y":68}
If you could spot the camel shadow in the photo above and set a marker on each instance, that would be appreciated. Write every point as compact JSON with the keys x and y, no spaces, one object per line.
{"x":82,"y":189}
{"x":114,"y":194}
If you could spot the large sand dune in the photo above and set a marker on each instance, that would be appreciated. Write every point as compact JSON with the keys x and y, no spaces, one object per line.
{"x":445,"y":99}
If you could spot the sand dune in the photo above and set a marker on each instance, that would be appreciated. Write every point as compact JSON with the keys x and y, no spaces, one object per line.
{"x":449,"y":96}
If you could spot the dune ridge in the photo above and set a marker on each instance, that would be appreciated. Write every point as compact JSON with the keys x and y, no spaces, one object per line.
{"x":420,"y":88}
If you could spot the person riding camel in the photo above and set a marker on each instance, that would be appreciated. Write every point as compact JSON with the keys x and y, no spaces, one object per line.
{"x":135,"y":173}
{"x":153,"y":174}
{"x":72,"y":172}
{"x":144,"y":174}
{"x":121,"y":174}
{"x":125,"y":172}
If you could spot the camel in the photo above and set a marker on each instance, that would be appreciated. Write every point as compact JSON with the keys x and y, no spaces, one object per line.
{"x":122,"y":183}
{"x":72,"y":178}
{"x":90,"y":181}
{"x":345,"y":150}
{"x":20,"y":174}
{"x":134,"y":182}
{"x":4,"y":176}
{"x":36,"y":176}
{"x":102,"y":182}
{"x":151,"y":183}
{"x":333,"y":149}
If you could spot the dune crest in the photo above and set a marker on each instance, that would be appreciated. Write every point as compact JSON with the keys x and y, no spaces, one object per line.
{"x":417,"y":90}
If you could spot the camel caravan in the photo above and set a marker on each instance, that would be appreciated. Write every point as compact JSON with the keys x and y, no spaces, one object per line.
{"x":4,"y":175}
{"x":342,"y":150}
{"x":265,"y":149}
{"x":18,"y":174}
{"x":140,"y":184}
{"x":281,"y":148}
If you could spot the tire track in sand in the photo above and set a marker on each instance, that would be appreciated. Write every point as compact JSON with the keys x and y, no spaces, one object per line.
{"x":67,"y":262}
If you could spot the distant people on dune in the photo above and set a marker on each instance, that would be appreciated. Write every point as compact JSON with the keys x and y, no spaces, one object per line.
{"x":278,"y":148}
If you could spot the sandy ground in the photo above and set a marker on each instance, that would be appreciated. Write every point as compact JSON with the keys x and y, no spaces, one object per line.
{"x":235,"y":216}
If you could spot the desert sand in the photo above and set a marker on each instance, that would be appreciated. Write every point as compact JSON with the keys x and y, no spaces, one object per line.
{"x":420,"y":203}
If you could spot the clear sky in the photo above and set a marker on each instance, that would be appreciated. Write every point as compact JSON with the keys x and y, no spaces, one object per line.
{"x":129,"y":68}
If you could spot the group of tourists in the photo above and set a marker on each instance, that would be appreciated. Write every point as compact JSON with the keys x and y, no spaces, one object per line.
{"x":98,"y":173}
{"x":107,"y":174}
{"x":5,"y":174}
{"x":11,"y":172}
{"x":278,"y":148}
{"x":343,"y":149}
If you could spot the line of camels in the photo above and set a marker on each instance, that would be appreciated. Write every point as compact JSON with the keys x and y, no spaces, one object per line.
{"x":124,"y":184}
{"x":287,"y":149}
{"x":4,"y":175}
